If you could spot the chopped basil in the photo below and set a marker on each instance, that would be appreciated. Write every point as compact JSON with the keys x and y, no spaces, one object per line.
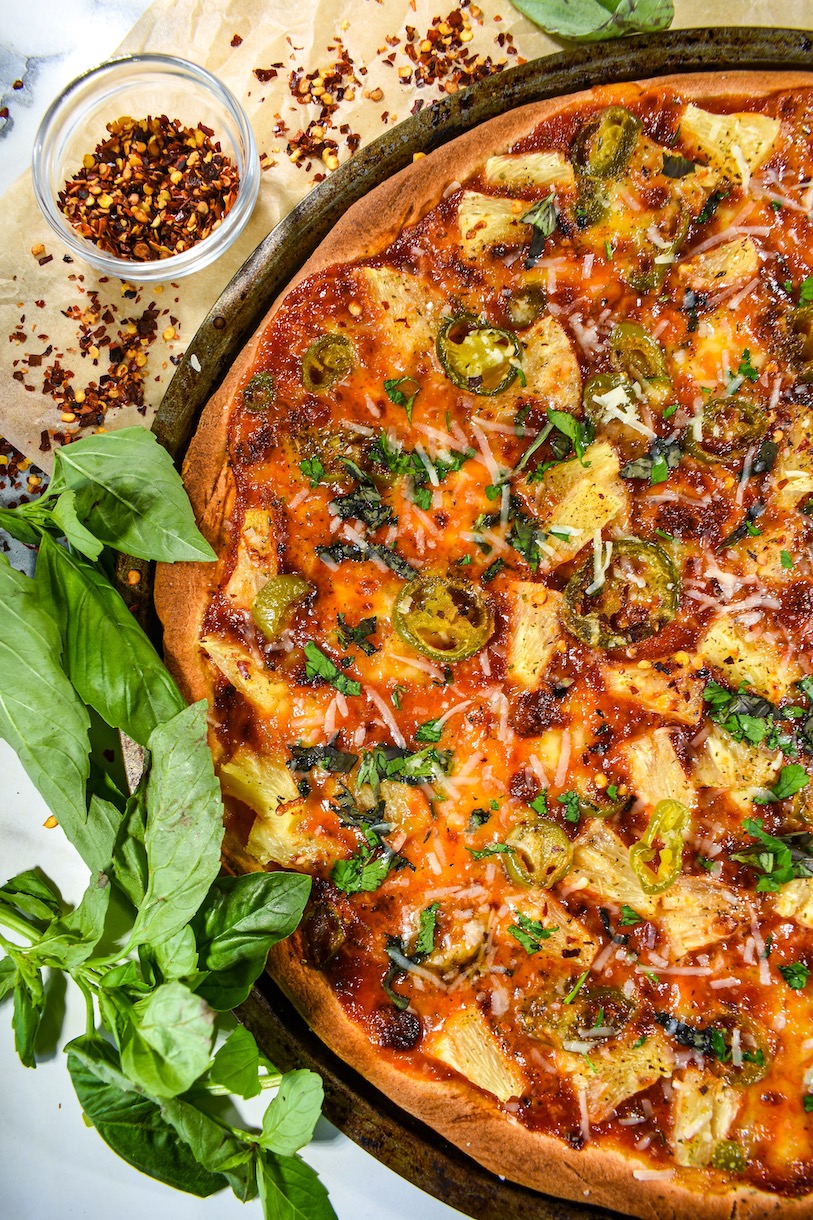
{"x":422,"y":496}
{"x":362,"y":872}
{"x":338,"y":552}
{"x":806,"y":291}
{"x":792,"y":779}
{"x":427,"y":921}
{"x":676,"y":166}
{"x":328,"y":758}
{"x":580,"y":433}
{"x":711,"y":205}
{"x":492,"y":570}
{"x":365,"y":504}
{"x":317,"y":665}
{"x":661,"y":457}
{"x":477,"y":818}
{"x":491,"y":849}
{"x":807,"y":1102}
{"x":397,"y":692}
{"x":746,"y":369}
{"x":786,"y":559}
{"x":745,"y":529}
{"x":778,"y":860}
{"x":530,"y":933}
{"x":357,"y":635}
{"x":765,"y":458}
{"x":544,"y":218}
{"x":402,"y":766}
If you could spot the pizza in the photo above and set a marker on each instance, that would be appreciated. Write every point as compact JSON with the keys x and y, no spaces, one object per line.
{"x":508,"y":644}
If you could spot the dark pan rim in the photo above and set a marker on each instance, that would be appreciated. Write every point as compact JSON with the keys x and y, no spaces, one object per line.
{"x":367,"y":1116}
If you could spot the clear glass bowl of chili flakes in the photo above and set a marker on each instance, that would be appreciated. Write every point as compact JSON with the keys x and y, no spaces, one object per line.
{"x":146,"y":167}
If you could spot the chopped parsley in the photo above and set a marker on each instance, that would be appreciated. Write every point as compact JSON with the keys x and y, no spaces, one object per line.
{"x":629,"y":918}
{"x":746,"y":369}
{"x":491,"y":849}
{"x":312,"y":469}
{"x":753,"y":719}
{"x":777,"y":860}
{"x":422,"y":496}
{"x":427,"y":921}
{"x":396,"y":394}
{"x":795,"y":975}
{"x":317,"y":665}
{"x":579,"y":432}
{"x":655,"y":465}
{"x":806,"y":291}
{"x":608,"y":249}
{"x":492,"y":570}
{"x":581,"y":980}
{"x":540,"y":803}
{"x":786,"y":559}
{"x":570,"y":800}
{"x":362,"y":872}
{"x":430,"y":731}
{"x":397,"y":692}
{"x":530,"y":933}
{"x":669,"y":411}
{"x":477,"y":818}
{"x":357,"y":635}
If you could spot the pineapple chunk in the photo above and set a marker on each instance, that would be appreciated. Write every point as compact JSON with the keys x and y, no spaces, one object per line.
{"x":266,"y":785}
{"x":670,"y":689}
{"x":575,"y":501}
{"x":730,"y":142}
{"x":239,"y":667}
{"x":256,"y":558}
{"x":617,"y":1072}
{"x":490,"y":220}
{"x":795,"y":901}
{"x":406,"y":308}
{"x":656,"y":772}
{"x":569,"y":941}
{"x":793,"y":473}
{"x":738,"y":767}
{"x":601,"y":863}
{"x":550,"y":368}
{"x":732,"y":263}
{"x":466,"y":1043}
{"x":529,"y":169}
{"x":703,"y":1111}
{"x":698,"y":911}
{"x":741,"y":657}
{"x":534,"y":631}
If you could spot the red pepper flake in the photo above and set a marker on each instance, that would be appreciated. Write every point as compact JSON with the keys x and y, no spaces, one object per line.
{"x":236,"y":41}
{"x":17,"y":84}
{"x":153,"y":189}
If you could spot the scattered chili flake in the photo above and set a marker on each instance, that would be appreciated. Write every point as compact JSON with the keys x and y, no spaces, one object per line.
{"x":236,"y":41}
{"x":151,"y":190}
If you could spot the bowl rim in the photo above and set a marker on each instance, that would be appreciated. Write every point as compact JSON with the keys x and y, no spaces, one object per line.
{"x":202,"y":253}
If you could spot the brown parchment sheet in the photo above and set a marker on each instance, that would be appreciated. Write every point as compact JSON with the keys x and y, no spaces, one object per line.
{"x":79,"y":351}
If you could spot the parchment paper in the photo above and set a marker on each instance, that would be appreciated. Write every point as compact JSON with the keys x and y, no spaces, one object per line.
{"x":233,"y":38}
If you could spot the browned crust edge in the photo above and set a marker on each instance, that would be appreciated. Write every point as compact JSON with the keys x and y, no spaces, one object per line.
{"x":457,"y":1110}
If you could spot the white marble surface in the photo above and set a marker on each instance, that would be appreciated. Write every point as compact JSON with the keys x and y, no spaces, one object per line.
{"x":51,"y":1164}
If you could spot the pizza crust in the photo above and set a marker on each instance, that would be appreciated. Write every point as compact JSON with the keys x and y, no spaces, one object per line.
{"x":450,"y":1105}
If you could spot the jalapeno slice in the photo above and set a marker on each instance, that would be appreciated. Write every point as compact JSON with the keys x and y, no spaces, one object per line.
{"x":606,"y":142}
{"x":542,"y":854}
{"x":445,"y":618}
{"x":526,"y":305}
{"x":756,"y":1050}
{"x":729,"y":1156}
{"x":637,"y":356}
{"x":651,"y":278}
{"x":597,"y":1013}
{"x":270,"y":607}
{"x":476,"y":356}
{"x":728,"y":427}
{"x":327,"y":361}
{"x":667,"y":825}
{"x":259,"y":392}
{"x":639,"y":596}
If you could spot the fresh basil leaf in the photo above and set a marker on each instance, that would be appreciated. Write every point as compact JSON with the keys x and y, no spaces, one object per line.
{"x":169,"y":1043}
{"x":15,"y":523}
{"x":41,"y":716}
{"x":597,"y":20}
{"x":397,"y":396}
{"x":130,"y":496}
{"x":579,"y":432}
{"x":243,"y":915}
{"x":33,"y":895}
{"x":29,"y":1005}
{"x":9,"y":975}
{"x":290,"y":1190}
{"x":130,"y":867}
{"x":64,"y":515}
{"x":177,"y":958}
{"x":236,"y":1065}
{"x":338,"y":762}
{"x":107,"y":656}
{"x":291,"y":1116}
{"x":70,"y":940}
{"x":215,"y":1148}
{"x":184,"y":826}
{"x":131,"y":1124}
{"x":544,"y":218}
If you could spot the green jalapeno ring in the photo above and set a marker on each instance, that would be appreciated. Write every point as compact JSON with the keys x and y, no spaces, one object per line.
{"x":592,"y":204}
{"x":652,"y":280}
{"x":476,"y":356}
{"x":640,"y":358}
{"x":802,"y":325}
{"x":598,"y":620}
{"x":669,"y":823}
{"x":542,"y":854}
{"x":259,"y":392}
{"x":328,"y":360}
{"x":745,"y":421}
{"x":757,"y":1065}
{"x":271,"y":606}
{"x":445,"y":618}
{"x":729,"y":1156}
{"x":604,"y":146}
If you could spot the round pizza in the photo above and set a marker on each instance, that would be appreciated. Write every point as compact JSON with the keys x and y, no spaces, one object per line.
{"x":509,"y":641}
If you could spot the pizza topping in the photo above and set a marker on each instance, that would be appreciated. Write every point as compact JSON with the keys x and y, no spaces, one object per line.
{"x":667,"y":826}
{"x":636,"y":597}
{"x":272,"y":606}
{"x":539,"y":853}
{"x":640,"y":358}
{"x":327,"y":361}
{"x":606,"y":142}
{"x":444,"y":618}
{"x":259,"y":393}
{"x":478,"y":357}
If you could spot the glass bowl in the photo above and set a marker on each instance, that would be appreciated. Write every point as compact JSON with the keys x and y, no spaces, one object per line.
{"x":141,"y":86}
